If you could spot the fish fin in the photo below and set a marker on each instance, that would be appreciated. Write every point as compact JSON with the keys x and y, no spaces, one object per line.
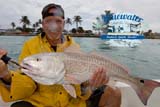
{"x":70,"y":89}
{"x":146,"y":89}
{"x":72,"y":79}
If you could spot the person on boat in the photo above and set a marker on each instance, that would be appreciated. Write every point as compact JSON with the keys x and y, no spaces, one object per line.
{"x":25,"y":92}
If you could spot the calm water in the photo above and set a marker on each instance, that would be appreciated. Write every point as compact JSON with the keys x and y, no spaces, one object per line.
{"x":143,"y":61}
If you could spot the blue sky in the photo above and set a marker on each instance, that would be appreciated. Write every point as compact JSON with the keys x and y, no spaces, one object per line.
{"x":12,"y":10}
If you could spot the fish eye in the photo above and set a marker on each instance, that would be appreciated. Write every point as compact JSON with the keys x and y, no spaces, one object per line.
{"x":38,"y":59}
{"x":142,"y":81}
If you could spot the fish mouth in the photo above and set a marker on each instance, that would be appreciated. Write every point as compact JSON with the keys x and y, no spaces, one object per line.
{"x":26,"y":66}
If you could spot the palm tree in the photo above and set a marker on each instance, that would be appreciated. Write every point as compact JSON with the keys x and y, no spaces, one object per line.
{"x":37,"y":24}
{"x":34,"y":26}
{"x":77,"y":19}
{"x":68,"y":22}
{"x":13,"y":25}
{"x":40,"y":21}
{"x":25,"y":21}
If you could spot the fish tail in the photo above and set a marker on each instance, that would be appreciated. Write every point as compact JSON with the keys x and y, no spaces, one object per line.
{"x":146,"y":88}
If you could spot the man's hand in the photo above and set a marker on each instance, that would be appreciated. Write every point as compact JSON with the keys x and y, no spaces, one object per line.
{"x":4,"y":73}
{"x":99,"y":78}
{"x":111,"y":97}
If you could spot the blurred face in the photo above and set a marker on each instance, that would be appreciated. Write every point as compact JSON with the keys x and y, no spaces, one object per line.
{"x":53,"y":26}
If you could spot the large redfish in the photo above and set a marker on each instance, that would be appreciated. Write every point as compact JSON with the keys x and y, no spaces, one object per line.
{"x":68,"y":68}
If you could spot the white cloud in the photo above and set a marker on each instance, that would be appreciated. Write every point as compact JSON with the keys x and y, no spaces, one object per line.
{"x":12,"y":10}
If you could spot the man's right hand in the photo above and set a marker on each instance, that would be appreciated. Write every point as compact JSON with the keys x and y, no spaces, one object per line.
{"x":4,"y":73}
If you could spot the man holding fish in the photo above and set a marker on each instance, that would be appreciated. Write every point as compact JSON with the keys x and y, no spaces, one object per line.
{"x":16,"y":86}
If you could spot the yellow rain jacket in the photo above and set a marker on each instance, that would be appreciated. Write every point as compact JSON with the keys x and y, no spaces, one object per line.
{"x":24,"y":88}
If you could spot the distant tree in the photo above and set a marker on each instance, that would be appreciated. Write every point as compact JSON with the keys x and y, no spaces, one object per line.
{"x":37,"y":24}
{"x":74,"y":30}
{"x":40,"y":21}
{"x":68,"y":21}
{"x":39,"y":30}
{"x":88,"y":31}
{"x":19,"y":28}
{"x":77,"y":20}
{"x":80,"y":30}
{"x":25,"y":21}
{"x":29,"y":30}
{"x":34,"y":26}
{"x":149,"y":34}
{"x":149,"y":31}
{"x":13,"y":25}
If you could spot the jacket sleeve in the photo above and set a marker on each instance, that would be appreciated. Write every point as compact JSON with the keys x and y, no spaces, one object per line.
{"x":21,"y":87}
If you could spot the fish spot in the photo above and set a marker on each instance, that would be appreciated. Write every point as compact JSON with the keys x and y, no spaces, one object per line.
{"x":11,"y":97}
{"x":142,"y":81}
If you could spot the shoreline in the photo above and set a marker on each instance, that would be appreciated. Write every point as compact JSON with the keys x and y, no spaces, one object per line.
{"x":72,"y":35}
